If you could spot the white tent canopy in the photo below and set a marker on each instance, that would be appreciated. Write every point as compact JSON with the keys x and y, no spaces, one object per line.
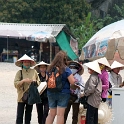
{"x":24,"y":31}
{"x":32,"y":31}
{"x":28,"y":29}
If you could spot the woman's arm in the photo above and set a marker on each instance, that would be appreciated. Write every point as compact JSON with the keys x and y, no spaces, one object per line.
{"x":105,"y":79}
{"x":18,"y":82}
{"x":71,"y":79}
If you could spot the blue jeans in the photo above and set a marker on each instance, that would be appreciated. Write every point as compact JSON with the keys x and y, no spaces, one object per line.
{"x":58,"y":99}
{"x":109,"y":100}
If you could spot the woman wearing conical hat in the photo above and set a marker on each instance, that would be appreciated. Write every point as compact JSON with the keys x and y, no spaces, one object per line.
{"x":42,"y":108}
{"x":115,"y":79}
{"x":22,"y":81}
{"x":114,"y":76}
{"x":104,"y":65}
{"x":76,"y":90}
{"x":93,"y":89}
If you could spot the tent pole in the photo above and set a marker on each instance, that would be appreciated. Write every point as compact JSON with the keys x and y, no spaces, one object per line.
{"x":50,"y":52}
{"x":40,"y":51}
{"x":7,"y":48}
{"x":39,"y":55}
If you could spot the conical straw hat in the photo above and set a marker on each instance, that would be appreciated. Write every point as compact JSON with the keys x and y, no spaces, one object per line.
{"x":116,"y":64}
{"x":94,"y":66}
{"x":81,"y":69}
{"x":24,"y":57}
{"x":104,"y":61}
{"x":41,"y":63}
{"x":104,"y":113}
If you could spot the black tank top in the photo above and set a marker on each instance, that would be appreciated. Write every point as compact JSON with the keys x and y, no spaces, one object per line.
{"x":42,"y":79}
{"x":44,"y":94}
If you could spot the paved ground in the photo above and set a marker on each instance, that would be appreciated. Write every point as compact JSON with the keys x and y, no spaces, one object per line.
{"x":8,"y":94}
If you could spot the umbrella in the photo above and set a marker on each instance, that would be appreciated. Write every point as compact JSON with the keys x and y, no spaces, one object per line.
{"x":41,"y":36}
{"x":108,"y":42}
{"x":11,"y":34}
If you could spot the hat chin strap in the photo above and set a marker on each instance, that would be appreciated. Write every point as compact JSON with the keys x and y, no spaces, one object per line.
{"x":77,"y":71}
{"x":74,"y":71}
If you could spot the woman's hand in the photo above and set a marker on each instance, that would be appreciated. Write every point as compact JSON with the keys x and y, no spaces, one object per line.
{"x":77,"y":86}
{"x":27,"y":80}
{"x":82,"y":94}
{"x":122,"y":84}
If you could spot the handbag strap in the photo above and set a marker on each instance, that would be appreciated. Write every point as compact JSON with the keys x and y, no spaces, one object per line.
{"x":21,"y":75}
{"x":21,"y":78}
{"x":97,"y":82}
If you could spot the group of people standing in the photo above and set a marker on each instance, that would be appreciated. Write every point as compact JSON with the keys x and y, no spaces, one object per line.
{"x":58,"y":104}
{"x":103,"y":77}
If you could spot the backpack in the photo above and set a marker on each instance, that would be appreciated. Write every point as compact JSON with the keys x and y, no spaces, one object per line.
{"x":54,"y":83}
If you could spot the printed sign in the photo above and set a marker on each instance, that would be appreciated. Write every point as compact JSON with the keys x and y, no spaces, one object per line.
{"x":97,"y":49}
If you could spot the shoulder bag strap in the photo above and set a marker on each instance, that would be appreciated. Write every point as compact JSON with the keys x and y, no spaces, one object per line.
{"x":21,"y":75}
{"x":97,"y":83}
{"x":21,"y":78}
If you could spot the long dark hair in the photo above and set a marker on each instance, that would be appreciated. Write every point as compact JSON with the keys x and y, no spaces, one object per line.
{"x":59,"y":61}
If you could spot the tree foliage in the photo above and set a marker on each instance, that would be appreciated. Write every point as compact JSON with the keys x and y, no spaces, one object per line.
{"x":85,"y":31}
{"x":116,"y":14}
{"x":90,"y":25}
{"x":44,"y":11}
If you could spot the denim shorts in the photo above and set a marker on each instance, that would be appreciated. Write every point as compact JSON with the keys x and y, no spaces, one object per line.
{"x":58,"y":99}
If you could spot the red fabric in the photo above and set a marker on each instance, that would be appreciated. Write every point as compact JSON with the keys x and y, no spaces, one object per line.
{"x":83,"y":120}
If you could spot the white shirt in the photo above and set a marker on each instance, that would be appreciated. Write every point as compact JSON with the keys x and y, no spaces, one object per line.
{"x":81,"y":84}
{"x":115,"y":79}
